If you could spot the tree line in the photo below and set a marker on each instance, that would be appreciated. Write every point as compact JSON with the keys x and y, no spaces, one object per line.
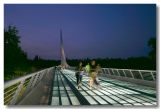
{"x":16,"y":62}
{"x":143,"y":63}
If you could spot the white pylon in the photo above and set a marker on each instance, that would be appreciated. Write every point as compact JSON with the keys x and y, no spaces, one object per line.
{"x":63,"y":57}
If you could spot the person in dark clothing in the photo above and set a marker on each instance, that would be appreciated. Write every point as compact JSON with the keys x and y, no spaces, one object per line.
{"x":80,"y":77}
{"x":79,"y":69}
{"x":77,"y":77}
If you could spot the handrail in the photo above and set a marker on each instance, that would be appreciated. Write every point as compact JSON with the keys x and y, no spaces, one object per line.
{"x":15,"y":89}
{"x":147,"y":75}
{"x":129,"y":69}
{"x":11,"y":82}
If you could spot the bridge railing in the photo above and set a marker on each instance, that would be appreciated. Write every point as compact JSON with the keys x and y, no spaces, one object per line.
{"x":16,"y":89}
{"x":148,"y":75}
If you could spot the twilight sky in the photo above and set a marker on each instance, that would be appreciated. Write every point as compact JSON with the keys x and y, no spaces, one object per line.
{"x":94,"y":31}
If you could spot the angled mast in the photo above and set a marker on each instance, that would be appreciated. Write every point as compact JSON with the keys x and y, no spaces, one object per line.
{"x":63,"y":57}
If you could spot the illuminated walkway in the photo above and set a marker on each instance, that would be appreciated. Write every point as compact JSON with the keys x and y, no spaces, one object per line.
{"x":110,"y":92}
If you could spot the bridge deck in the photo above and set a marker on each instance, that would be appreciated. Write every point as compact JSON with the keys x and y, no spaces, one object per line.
{"x":62,"y":93}
{"x":110,"y":92}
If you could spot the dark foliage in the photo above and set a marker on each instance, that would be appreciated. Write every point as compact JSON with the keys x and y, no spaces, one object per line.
{"x":143,"y":63}
{"x":15,"y":58}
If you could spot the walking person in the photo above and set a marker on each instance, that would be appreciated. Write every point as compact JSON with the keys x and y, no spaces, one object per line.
{"x":78,"y":73}
{"x":96,"y":80}
{"x":92,"y":73}
{"x":87,"y":68}
{"x":80,"y":78}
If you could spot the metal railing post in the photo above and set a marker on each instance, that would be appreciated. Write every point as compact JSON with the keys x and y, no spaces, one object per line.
{"x":109,"y":71}
{"x":141,"y":74}
{"x":118,"y":72}
{"x":124,"y":73}
{"x":15,"y":96}
{"x":152,"y":76}
{"x":131,"y":74}
{"x":104,"y":71}
{"x":35,"y":80}
{"x":29,"y":84}
{"x":41,"y":75}
{"x":113,"y":72}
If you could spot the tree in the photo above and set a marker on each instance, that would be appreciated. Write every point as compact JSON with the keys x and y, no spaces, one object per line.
{"x":14,"y":56}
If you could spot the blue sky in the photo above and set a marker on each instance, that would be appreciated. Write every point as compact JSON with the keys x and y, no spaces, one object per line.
{"x":94,"y":31}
